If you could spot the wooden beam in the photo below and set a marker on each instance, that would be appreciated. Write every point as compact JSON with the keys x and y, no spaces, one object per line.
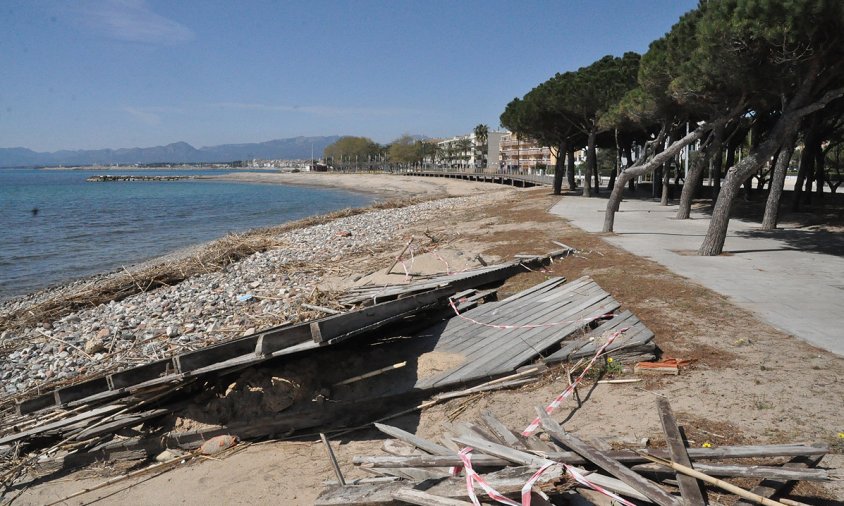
{"x":524,"y":458}
{"x":343,"y":326}
{"x":734,"y":470}
{"x":770,"y":487}
{"x":418,"y":442}
{"x":413,"y":496}
{"x":689,"y":487}
{"x":646,"y":487}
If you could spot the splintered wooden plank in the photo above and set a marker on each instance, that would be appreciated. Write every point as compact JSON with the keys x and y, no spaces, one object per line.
{"x":689,"y":487}
{"x":59,"y":424}
{"x":501,"y":431}
{"x":770,"y":487}
{"x":534,"y":461}
{"x":646,"y":487}
{"x":736,"y":470}
{"x":343,"y":326}
{"x":418,"y":442}
{"x":126,"y":420}
{"x":413,"y":496}
{"x":507,"y":481}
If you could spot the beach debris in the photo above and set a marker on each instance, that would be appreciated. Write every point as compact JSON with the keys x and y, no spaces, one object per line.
{"x":670,"y":366}
{"x":217,"y":444}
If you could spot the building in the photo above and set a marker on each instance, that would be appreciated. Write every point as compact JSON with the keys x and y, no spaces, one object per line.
{"x":467,"y":153}
{"x":524,"y":155}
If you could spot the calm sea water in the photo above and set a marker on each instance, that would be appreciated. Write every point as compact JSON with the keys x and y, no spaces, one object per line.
{"x":85,"y":228}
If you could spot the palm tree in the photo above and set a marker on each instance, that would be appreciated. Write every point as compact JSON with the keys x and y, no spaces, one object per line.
{"x":482,"y":136}
{"x":464,"y":145}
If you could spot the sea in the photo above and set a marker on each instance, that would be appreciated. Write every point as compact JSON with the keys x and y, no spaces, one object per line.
{"x":56,"y":227}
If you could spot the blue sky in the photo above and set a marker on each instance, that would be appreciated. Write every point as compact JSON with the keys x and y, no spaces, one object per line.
{"x":109,"y":74}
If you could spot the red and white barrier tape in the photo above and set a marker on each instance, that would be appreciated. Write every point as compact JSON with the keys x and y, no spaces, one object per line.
{"x":583,"y":481}
{"x":530,"y":429}
{"x":473,"y":477}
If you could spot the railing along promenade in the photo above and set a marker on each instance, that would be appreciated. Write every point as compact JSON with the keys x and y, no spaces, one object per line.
{"x":511,"y":178}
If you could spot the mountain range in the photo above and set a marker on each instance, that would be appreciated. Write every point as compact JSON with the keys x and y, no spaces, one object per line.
{"x":179,"y":152}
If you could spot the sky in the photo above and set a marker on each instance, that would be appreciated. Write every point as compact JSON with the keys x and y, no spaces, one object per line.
{"x":88,"y":74}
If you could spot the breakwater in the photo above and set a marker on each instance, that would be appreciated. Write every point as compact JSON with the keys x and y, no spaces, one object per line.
{"x":107,"y":178}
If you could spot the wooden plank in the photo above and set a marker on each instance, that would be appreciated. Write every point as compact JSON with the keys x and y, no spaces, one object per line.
{"x":412,"y":496}
{"x":735,"y":470}
{"x":126,"y":420}
{"x":506,"y":354}
{"x":209,"y":355}
{"x":689,"y":487}
{"x":418,"y":442}
{"x":140,"y":374}
{"x":504,"y":435}
{"x":534,"y":461}
{"x":87,"y":415}
{"x":625,"y":456}
{"x":36,"y":404}
{"x":646,"y":487}
{"x":519,"y":313}
{"x":281,"y":338}
{"x":770,"y":487}
{"x":81,"y":390}
{"x":507,"y":481}
{"x":343,"y":326}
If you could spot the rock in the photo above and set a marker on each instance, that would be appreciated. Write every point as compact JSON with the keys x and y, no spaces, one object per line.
{"x":171,"y":331}
{"x":93,"y":346}
{"x":249,"y":332}
{"x":103,"y":333}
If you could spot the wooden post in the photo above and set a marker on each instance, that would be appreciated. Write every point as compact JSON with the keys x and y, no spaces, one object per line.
{"x":333,"y":460}
{"x":689,"y":488}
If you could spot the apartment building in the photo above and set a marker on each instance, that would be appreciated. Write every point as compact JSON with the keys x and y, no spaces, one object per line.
{"x":466,"y":152}
{"x":524,"y":155}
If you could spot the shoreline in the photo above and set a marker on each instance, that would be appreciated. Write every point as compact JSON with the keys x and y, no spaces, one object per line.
{"x":296,"y":242}
{"x":370,"y":185}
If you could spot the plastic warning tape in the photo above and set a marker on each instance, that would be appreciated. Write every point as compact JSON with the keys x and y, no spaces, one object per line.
{"x":473,"y":477}
{"x":530,"y":429}
{"x":583,"y":481}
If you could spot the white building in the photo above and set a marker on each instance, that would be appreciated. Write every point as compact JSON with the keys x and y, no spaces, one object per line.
{"x":467,"y":153}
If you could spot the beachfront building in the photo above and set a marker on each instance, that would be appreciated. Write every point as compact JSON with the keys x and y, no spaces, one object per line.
{"x":468,"y":153}
{"x":523,"y":154}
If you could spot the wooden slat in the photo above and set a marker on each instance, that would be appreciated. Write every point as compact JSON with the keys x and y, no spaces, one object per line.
{"x":734,"y":470}
{"x":418,"y":442}
{"x":87,"y":415}
{"x":506,"y":354}
{"x":689,"y":487}
{"x":646,"y":487}
{"x":529,"y":459}
{"x":412,"y":496}
{"x":140,"y":374}
{"x":343,"y":326}
{"x":501,"y":431}
{"x":221,"y":352}
{"x":281,"y":338}
{"x":770,"y":487}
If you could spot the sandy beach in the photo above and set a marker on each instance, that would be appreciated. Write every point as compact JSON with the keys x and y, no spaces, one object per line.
{"x":747,"y":383}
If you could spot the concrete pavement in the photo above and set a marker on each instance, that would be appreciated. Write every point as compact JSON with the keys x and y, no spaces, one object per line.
{"x":791,"y":278}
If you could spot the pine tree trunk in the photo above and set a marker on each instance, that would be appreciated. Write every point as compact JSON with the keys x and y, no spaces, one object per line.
{"x":691,"y":184}
{"x":570,"y":168}
{"x":807,"y":163}
{"x":713,"y":243}
{"x":769,"y":221}
{"x":646,"y":167}
{"x":559,"y":168}
{"x":591,"y":160}
{"x":820,"y":169}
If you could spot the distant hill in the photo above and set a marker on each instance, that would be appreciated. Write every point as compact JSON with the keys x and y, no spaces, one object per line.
{"x":178,"y":152}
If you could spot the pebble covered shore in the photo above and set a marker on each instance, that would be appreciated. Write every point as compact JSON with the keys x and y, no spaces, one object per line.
{"x":259,"y":291}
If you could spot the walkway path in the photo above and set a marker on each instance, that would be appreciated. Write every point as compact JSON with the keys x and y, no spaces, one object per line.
{"x":792,"y":278}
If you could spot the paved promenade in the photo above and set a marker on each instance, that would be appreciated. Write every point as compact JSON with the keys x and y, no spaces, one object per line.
{"x":791,"y":278}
